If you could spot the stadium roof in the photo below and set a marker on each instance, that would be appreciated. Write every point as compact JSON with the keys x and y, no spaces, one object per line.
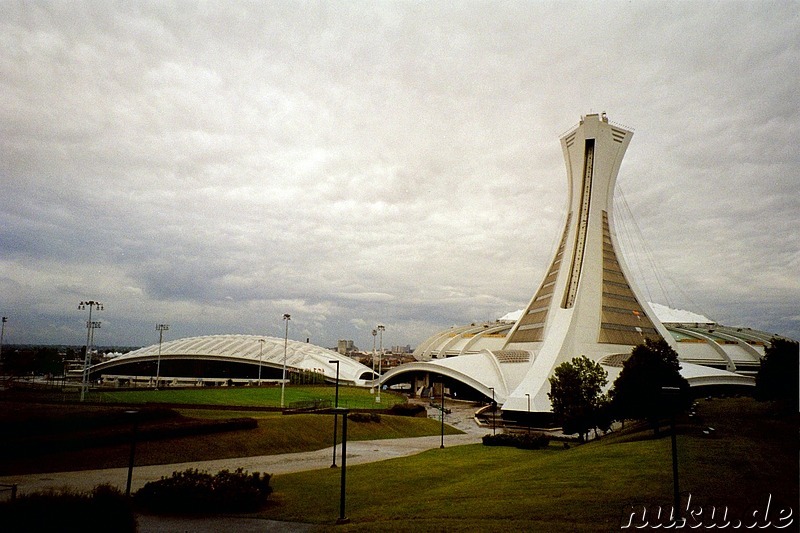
{"x":250,"y":350}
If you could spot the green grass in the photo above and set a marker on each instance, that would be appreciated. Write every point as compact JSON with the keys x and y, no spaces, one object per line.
{"x":583,"y":488}
{"x":349,"y":397}
{"x":275,"y":434}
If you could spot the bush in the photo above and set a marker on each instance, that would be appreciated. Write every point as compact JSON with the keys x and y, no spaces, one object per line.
{"x":195,"y":492}
{"x":103,"y":509}
{"x":364,"y":417}
{"x":408,"y":409}
{"x":525,"y":441}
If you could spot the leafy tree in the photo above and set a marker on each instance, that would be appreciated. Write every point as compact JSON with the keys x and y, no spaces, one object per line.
{"x":778,"y":376}
{"x":637,"y":391}
{"x":576,"y":394}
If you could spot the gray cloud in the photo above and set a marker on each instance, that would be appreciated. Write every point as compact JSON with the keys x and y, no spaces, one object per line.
{"x":356,"y":163}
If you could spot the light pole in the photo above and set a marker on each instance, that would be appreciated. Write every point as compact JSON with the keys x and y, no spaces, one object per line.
{"x":160,"y":328}
{"x":442,"y":446}
{"x":374,"y":337}
{"x":2,"y":333}
{"x":286,"y":318}
{"x":335,"y":412}
{"x":494,"y":431}
{"x":260,"y":355}
{"x":672,"y":395}
{"x":381,"y":329}
{"x":90,"y":326}
{"x":529,"y":412}
{"x":135,"y":415}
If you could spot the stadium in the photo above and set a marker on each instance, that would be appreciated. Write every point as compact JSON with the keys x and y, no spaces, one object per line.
{"x":228,"y":360}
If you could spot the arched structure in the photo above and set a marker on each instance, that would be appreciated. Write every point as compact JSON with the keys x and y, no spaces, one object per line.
{"x":587,"y":304}
{"x":217,"y":358}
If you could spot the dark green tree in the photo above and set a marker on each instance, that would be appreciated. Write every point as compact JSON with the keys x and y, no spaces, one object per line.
{"x":637,"y":392}
{"x":576,"y":393}
{"x":778,"y":376}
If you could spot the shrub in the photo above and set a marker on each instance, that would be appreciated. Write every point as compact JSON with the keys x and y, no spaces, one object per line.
{"x":103,"y":509}
{"x":408,"y":409}
{"x":195,"y":492}
{"x":523,"y":441}
{"x":364,"y":417}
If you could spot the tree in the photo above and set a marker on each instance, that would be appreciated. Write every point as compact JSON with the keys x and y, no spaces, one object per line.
{"x":777,"y":378}
{"x":576,"y":394}
{"x":637,"y":392}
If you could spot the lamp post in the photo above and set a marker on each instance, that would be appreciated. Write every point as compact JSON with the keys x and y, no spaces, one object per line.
{"x":260,"y":355}
{"x":442,"y":445}
{"x":2,"y":333}
{"x":672,"y":394}
{"x":286,"y":318}
{"x":494,"y":431}
{"x":374,"y":337}
{"x":90,"y":326}
{"x":134,"y":415}
{"x":160,"y":328}
{"x":381,"y":329}
{"x":335,"y":413}
{"x":529,"y":412}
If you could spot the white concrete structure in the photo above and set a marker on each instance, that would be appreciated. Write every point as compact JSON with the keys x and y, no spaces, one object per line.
{"x":237,"y":357}
{"x":586,"y":304}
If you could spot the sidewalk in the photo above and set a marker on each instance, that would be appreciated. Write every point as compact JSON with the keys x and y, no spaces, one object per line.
{"x":358,"y":452}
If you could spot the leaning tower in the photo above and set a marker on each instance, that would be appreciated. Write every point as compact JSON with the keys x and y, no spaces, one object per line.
{"x":586,"y":304}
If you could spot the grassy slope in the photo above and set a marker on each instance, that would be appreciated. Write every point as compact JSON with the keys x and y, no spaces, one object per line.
{"x":350,"y":397}
{"x":275,"y":434}
{"x":585,"y":488}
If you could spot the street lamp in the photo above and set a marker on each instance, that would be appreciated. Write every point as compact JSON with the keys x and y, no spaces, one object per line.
{"x":90,"y":327}
{"x":260,"y":355}
{"x":374,"y":336}
{"x":286,"y":318}
{"x":529,"y":412}
{"x":672,"y":395}
{"x":381,"y":329}
{"x":2,"y":333}
{"x":133,"y":413}
{"x":442,"y":446}
{"x":160,"y":328}
{"x":335,"y":412}
{"x":494,"y":431}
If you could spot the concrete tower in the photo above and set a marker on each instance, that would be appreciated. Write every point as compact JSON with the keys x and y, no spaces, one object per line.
{"x":586,"y":304}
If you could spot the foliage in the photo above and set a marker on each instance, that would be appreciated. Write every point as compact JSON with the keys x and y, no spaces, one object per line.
{"x":196,"y":492}
{"x":408,"y":409}
{"x":778,"y":378}
{"x":103,"y":509}
{"x":637,"y":391}
{"x":576,"y":394}
{"x":523,"y":441}
{"x":364,"y":417}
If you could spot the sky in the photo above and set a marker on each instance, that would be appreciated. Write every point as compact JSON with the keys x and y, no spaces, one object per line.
{"x":214,"y":165}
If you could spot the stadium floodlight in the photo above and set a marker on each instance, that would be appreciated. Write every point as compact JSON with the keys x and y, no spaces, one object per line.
{"x":286,"y":318}
{"x":90,"y":327}
{"x":160,"y":328}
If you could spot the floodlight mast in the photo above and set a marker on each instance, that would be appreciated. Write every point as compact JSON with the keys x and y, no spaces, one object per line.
{"x":286,"y":318}
{"x":90,"y":327}
{"x":160,"y":328}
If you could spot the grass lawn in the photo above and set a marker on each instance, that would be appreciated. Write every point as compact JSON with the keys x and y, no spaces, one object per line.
{"x":274,"y":434}
{"x":583,"y":488}
{"x":349,"y":397}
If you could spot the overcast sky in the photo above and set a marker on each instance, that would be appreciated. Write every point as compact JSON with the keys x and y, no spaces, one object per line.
{"x":215,"y":165}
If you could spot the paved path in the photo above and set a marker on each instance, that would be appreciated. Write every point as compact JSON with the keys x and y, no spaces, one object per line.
{"x":358,"y":452}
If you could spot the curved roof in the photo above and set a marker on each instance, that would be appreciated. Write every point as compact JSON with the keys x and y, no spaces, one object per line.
{"x":732,"y":348}
{"x":251,"y":349}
